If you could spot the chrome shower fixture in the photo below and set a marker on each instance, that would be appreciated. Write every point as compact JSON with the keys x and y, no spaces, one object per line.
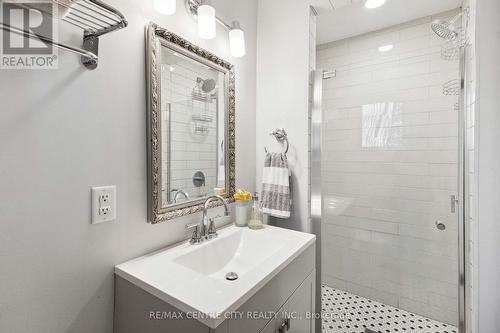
{"x":446,"y":29}
{"x":205,"y":90}
{"x":455,"y":37}
{"x":207,"y":85}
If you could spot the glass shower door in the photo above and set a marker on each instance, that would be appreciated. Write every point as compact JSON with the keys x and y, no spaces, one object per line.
{"x":389,"y":170}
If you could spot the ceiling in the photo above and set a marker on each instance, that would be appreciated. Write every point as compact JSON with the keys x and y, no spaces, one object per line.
{"x":324,"y":6}
{"x":339,"y":19}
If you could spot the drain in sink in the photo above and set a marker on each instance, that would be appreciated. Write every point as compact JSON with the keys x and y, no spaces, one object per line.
{"x":231,"y":276}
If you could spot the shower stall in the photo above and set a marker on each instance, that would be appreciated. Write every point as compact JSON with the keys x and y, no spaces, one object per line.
{"x":387,"y":177}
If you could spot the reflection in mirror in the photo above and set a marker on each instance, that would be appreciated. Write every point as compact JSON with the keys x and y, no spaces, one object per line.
{"x":192,"y":125}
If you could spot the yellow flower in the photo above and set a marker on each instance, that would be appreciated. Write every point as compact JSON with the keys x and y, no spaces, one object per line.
{"x":242,"y":195}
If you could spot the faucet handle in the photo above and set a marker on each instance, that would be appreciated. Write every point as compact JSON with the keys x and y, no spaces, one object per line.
{"x":212,"y":232}
{"x":196,"y":237}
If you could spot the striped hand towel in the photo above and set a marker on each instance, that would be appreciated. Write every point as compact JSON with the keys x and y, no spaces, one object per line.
{"x":276,"y":193}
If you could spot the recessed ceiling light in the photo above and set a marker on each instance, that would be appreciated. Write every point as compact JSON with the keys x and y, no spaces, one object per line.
{"x":386,"y":48}
{"x":374,"y":3}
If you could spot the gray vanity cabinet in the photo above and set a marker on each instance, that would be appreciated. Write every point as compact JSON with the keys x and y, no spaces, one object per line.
{"x":293,"y":315}
{"x":300,"y":304}
{"x":272,"y":326}
{"x":289,"y":296}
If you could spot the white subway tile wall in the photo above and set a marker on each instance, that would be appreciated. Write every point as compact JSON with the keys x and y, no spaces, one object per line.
{"x":390,"y":165}
{"x":192,"y":149}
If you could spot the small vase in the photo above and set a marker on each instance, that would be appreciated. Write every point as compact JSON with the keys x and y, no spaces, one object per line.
{"x":242,"y":213}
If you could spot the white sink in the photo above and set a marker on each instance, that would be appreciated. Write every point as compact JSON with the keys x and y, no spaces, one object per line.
{"x":192,"y":277}
{"x":240,"y":251}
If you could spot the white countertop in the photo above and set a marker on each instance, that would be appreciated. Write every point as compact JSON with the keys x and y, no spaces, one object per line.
{"x":192,"y":277}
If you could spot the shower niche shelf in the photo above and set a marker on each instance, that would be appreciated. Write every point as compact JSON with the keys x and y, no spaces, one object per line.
{"x":94,"y":17}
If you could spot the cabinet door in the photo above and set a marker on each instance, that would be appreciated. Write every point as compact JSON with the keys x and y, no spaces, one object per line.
{"x":272,"y":326}
{"x":298,"y":310}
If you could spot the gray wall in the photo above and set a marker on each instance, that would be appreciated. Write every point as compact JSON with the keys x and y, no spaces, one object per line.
{"x":488,"y":117}
{"x":62,"y":132}
{"x":283,"y":95}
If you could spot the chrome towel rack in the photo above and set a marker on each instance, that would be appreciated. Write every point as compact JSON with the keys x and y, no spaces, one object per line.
{"x":94,"y":17}
{"x":282,"y":137}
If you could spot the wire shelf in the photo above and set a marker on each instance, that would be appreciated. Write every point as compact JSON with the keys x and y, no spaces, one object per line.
{"x":201,"y":129}
{"x":451,"y":88}
{"x":94,"y":17}
{"x":450,"y":50}
{"x":202,"y":118}
{"x":202,"y":97}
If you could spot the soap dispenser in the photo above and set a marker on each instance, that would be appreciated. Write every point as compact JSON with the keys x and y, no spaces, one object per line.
{"x":256,"y":214}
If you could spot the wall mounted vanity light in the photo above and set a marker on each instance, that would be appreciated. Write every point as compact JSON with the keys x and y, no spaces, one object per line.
{"x":206,"y":21}
{"x":205,"y":14}
{"x":166,"y":7}
{"x":237,"y":40}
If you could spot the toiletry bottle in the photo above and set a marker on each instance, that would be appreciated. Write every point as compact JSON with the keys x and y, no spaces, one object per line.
{"x":256,"y":214}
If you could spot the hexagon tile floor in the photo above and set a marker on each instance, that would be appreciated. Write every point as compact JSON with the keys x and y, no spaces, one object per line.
{"x":344,"y":312}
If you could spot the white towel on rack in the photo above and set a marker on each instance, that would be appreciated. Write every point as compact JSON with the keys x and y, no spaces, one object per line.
{"x":276,"y":189}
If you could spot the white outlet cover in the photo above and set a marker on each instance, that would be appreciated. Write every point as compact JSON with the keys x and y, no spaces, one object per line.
{"x":98,"y":202}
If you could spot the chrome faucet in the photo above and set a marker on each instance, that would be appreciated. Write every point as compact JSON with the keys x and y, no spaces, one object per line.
{"x":178,"y":193}
{"x":206,"y":228}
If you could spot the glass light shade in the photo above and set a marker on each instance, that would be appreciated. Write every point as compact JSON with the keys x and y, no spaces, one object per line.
{"x":206,"y":22}
{"x":166,"y":7}
{"x":237,"y":42}
{"x":374,"y":3}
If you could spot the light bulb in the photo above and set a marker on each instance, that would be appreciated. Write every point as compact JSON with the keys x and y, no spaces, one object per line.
{"x":374,"y":3}
{"x":166,"y":7}
{"x":237,"y":41}
{"x":206,"y":22}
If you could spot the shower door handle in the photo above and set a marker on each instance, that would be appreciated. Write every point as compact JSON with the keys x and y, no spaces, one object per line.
{"x":453,"y":203}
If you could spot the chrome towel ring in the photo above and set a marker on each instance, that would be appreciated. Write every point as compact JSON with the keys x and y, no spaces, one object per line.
{"x":281,"y":136}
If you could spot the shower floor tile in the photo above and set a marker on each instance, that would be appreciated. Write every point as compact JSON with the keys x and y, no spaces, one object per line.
{"x":344,"y":312}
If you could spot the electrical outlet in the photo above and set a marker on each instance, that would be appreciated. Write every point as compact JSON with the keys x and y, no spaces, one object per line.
{"x":104,"y":198}
{"x":104,"y":211}
{"x":103,"y":204}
